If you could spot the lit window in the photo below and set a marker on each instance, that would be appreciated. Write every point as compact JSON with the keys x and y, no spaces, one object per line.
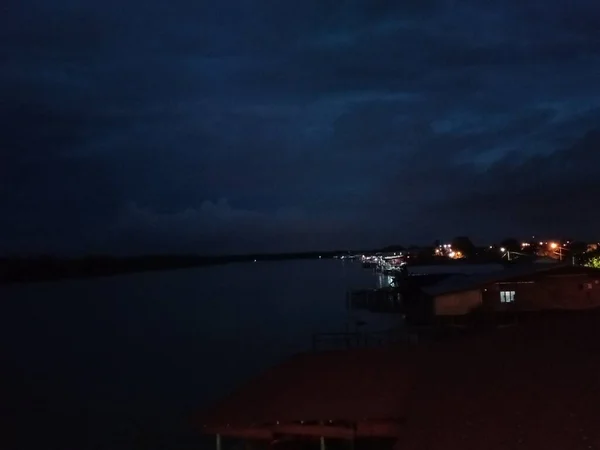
{"x":507,"y":296}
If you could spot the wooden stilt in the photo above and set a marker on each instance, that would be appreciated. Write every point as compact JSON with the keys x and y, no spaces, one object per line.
{"x":218,"y":442}
{"x":323,"y":443}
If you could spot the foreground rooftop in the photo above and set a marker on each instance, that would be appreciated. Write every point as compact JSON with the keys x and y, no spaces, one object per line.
{"x":334,"y":393}
{"x":532,"y":386}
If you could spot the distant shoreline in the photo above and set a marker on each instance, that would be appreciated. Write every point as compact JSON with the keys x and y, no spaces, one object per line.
{"x":46,"y":268}
{"x":40,"y":269}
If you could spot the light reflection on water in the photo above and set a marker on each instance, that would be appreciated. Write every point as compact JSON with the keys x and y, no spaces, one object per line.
{"x":384,"y":281}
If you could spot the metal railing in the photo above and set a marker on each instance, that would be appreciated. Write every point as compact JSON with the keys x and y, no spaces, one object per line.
{"x":357,"y":339}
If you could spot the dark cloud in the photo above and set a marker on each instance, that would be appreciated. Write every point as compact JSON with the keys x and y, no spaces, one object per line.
{"x":552,"y":194}
{"x":321,"y":123}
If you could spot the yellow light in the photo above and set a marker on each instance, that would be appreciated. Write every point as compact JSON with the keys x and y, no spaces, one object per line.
{"x":502,"y":249}
{"x":553,"y":245}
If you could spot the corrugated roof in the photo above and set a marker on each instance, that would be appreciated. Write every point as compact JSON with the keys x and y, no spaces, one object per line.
{"x":534,"y":386}
{"x":459,"y":284}
{"x":348,"y":385}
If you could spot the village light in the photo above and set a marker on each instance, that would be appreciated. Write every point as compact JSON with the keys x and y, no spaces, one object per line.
{"x":506,"y":252}
{"x":555,"y":246}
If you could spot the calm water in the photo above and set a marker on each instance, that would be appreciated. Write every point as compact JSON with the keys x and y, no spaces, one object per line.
{"x":123,"y":362}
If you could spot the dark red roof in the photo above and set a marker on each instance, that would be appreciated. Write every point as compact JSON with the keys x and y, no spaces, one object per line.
{"x":337,"y":385}
{"x":536,"y":386}
{"x":533,"y":386}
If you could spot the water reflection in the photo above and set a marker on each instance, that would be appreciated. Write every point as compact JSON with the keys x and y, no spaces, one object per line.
{"x":384,"y":281}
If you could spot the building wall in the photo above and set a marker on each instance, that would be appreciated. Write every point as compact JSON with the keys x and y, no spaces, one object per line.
{"x":457,"y":304}
{"x":572,"y":292}
{"x":561,"y":291}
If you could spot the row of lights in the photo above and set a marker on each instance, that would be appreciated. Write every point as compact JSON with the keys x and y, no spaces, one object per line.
{"x":528,"y":244}
{"x":552,"y":245}
{"x":448,"y":248}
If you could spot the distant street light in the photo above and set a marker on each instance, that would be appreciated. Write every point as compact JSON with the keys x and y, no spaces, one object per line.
{"x":555,"y":246}
{"x":505,"y":252}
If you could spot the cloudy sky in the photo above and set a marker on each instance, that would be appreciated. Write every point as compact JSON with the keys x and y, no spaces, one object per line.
{"x":226,"y":126}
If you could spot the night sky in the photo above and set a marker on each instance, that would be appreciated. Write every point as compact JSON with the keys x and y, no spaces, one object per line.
{"x":234,"y":126}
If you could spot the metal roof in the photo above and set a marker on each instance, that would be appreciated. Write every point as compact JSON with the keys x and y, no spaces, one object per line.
{"x":348,"y":385}
{"x":534,"y":386}
{"x":460,"y":284}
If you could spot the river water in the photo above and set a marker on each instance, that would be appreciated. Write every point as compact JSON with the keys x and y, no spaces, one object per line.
{"x":123,"y":362}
